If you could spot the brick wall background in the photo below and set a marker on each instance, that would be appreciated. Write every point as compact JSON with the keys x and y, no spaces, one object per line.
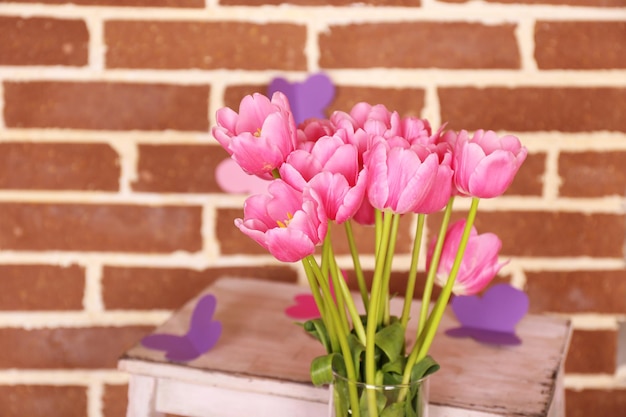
{"x":110,"y":216}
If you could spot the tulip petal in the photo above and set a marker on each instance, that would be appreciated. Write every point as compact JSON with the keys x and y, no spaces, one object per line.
{"x":492,"y":175}
{"x":289,"y":245}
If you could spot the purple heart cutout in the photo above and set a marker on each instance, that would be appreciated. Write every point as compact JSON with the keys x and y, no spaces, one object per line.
{"x":308,"y":98}
{"x":491,"y":318}
{"x":202,"y":335}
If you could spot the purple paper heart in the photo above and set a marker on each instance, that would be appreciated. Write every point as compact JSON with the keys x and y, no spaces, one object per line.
{"x":202,"y":335}
{"x":491,"y":318}
{"x":308,"y":98}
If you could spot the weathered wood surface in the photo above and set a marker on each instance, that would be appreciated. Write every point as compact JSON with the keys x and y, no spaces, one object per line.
{"x":261,"y":350}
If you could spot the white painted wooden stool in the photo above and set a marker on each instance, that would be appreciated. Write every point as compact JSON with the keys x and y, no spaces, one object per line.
{"x":260,"y":365}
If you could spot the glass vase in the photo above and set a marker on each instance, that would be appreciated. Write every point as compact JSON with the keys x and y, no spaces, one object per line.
{"x":410,"y":400}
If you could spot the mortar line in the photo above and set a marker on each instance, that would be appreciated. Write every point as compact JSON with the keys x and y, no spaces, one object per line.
{"x":551,"y":178}
{"x":92,"y":301}
{"x":524,"y":33}
{"x":489,"y":13}
{"x":128,"y":156}
{"x":95,"y":398}
{"x":2,"y":122}
{"x":97,"y":48}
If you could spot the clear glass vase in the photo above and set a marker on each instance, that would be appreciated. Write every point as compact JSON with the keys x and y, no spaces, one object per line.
{"x":410,"y":400}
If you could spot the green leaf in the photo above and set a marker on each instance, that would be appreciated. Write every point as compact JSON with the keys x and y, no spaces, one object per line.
{"x":381,"y":401}
{"x":322,"y":368}
{"x":390,"y":340}
{"x":396,"y":367}
{"x":423,"y":368}
{"x":356,"y":350}
{"x":394,"y":410}
{"x":317,"y":329}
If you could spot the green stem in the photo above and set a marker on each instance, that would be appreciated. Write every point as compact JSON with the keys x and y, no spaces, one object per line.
{"x":357,"y":264}
{"x":321,"y":304}
{"x":410,"y":285}
{"x":378,"y":218}
{"x":342,"y":287}
{"x":373,"y":313}
{"x":420,"y":350}
{"x":342,"y":338}
{"x":442,"y":302}
{"x":434,"y":263}
{"x":328,"y":270}
{"x":388,"y":261}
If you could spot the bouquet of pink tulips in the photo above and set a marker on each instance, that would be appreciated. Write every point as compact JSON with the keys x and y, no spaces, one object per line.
{"x":368,"y":166}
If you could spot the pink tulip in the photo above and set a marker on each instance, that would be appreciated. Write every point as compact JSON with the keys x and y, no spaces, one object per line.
{"x":480,"y":261}
{"x":485,"y":165}
{"x":375,"y":120}
{"x":261,"y":136}
{"x":366,"y":214}
{"x":413,"y":129}
{"x":329,"y":153}
{"x":340,"y":199}
{"x":331,"y":170}
{"x":311,"y":130}
{"x":399,"y":178}
{"x":442,"y":190}
{"x":288,"y":223}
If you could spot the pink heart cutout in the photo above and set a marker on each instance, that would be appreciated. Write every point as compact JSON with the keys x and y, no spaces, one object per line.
{"x":304,"y":308}
{"x":232,"y":179}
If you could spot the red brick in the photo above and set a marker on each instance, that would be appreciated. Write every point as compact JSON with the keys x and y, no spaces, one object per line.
{"x":386,"y":3}
{"x":29,"y":287}
{"x":590,"y":3}
{"x":110,"y":106}
{"x":234,"y":93}
{"x":58,"y":166}
{"x":170,"y":288}
{"x":100,"y":227}
{"x":547,"y":234}
{"x":529,"y":109}
{"x":179,"y":168}
{"x":601,"y":291}
{"x":205,"y":45}
{"x":592,"y":174}
{"x":43,"y":41}
{"x":397,"y":283}
{"x":115,"y":400}
{"x":232,"y":241}
{"x":592,"y":352}
{"x":529,"y":179}
{"x":595,"y":402}
{"x":419,"y":45}
{"x":365,"y":237}
{"x":67,"y":348}
{"x":120,"y":3}
{"x":580,"y":45}
{"x":43,"y":400}
{"x":406,"y":101}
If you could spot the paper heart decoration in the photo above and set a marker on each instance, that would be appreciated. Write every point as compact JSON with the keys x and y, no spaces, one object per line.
{"x":202,"y":335}
{"x":232,"y":179}
{"x":308,"y":98}
{"x":304,"y":308}
{"x":491,"y":318}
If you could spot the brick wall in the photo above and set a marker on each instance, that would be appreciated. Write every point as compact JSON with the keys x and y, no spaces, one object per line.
{"x":110,"y":216}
